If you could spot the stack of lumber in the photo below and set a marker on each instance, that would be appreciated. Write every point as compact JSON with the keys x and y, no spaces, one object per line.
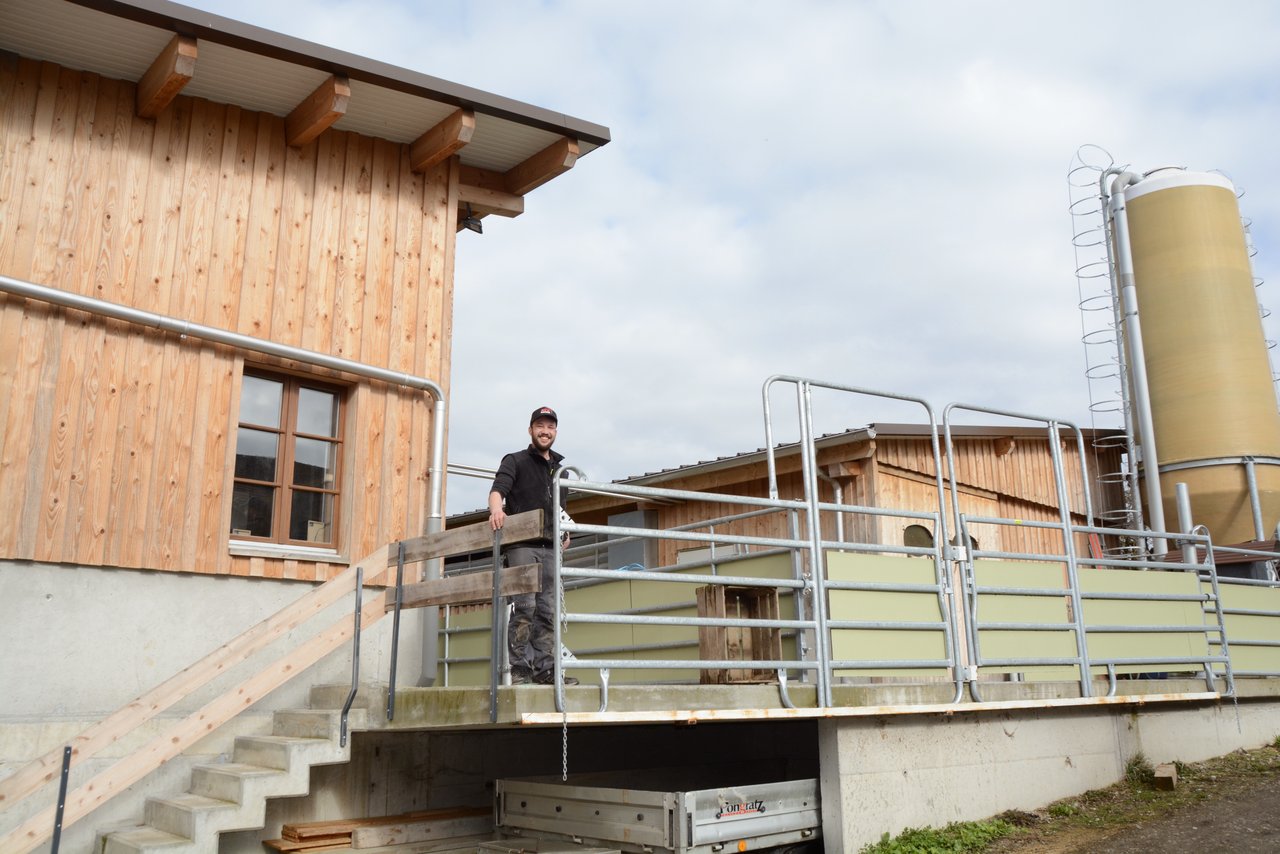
{"x":415,"y":831}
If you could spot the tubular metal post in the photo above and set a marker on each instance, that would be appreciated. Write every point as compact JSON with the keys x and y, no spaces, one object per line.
{"x":355,"y":658}
{"x":1183,"y":497}
{"x":495,"y":646}
{"x":395,"y":630}
{"x":1069,"y":546}
{"x":62,"y":800}
{"x":817,"y":564}
{"x":1251,"y":477}
{"x":1137,"y":358}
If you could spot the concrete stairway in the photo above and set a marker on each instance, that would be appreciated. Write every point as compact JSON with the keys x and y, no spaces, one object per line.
{"x":233,"y":795}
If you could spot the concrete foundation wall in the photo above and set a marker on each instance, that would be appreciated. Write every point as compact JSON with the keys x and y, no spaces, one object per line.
{"x":885,"y":774}
{"x":80,"y":642}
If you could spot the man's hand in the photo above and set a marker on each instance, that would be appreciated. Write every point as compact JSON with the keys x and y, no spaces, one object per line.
{"x":496,"y":519}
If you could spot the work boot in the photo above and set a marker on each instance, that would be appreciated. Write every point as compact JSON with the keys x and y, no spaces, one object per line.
{"x":548,"y":677}
{"x":521,"y":677}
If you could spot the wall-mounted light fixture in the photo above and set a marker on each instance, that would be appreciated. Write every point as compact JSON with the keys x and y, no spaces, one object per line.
{"x":471,"y":222}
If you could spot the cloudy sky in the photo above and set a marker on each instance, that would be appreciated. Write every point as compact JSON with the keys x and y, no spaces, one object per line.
{"x":873,"y":194}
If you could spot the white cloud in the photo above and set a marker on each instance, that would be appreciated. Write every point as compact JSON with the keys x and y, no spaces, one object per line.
{"x":869,"y":193}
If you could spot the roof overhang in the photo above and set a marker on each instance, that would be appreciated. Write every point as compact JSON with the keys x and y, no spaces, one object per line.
{"x":506,"y":147}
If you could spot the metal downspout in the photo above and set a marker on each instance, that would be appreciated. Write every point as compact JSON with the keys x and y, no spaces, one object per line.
{"x":1137,"y":358}
{"x":1126,"y":393}
{"x":185,"y":328}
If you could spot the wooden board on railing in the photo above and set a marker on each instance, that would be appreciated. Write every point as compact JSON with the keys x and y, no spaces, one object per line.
{"x":471,"y":588}
{"x":518,"y":528}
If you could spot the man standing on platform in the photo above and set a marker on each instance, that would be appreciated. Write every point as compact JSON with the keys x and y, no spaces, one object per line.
{"x":524,"y":482}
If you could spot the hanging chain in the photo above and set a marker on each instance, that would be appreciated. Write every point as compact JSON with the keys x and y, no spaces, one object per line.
{"x":565,"y":747}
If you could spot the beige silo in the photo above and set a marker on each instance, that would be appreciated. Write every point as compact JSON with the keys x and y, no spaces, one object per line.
{"x":1213,"y":402}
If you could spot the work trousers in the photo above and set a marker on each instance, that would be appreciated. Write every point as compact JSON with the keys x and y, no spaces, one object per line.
{"x":531,"y":634}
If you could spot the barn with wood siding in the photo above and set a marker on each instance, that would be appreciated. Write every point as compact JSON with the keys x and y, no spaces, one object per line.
{"x":173,"y":185}
{"x":1002,"y":471}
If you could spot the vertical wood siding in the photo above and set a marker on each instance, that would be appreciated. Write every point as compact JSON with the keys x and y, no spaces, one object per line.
{"x":117,"y":443}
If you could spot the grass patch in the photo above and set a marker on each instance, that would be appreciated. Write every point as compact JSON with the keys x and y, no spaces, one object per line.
{"x":1100,"y":812}
{"x":956,"y":838}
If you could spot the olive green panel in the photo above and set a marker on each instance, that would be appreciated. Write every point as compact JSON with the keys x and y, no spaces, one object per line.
{"x":1002,"y":608}
{"x":876,"y":605}
{"x":998,"y":644}
{"x":624,"y":641}
{"x":1143,"y":613}
{"x":1243,"y":628}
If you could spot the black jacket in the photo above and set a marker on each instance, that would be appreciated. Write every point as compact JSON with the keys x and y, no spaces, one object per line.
{"x":524,"y":481}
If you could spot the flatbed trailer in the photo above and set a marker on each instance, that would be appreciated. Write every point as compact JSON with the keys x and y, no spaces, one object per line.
{"x":656,"y":812}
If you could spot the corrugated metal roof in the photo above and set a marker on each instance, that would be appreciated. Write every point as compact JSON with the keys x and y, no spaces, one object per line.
{"x":265,"y":71}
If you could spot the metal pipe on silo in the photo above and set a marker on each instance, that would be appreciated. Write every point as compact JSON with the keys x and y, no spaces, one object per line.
{"x":1137,"y":359}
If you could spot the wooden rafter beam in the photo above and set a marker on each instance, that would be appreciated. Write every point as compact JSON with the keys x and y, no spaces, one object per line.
{"x":318,"y":111}
{"x":502,"y":193}
{"x":484,"y":201}
{"x":169,"y":73}
{"x":443,"y":140}
{"x":556,"y":159}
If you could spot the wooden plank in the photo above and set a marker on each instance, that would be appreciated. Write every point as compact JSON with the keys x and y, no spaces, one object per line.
{"x":519,"y":527}
{"x":199,"y":221}
{"x":403,"y":405}
{"x":301,"y":830}
{"x":155,"y":268}
{"x":129,"y":717}
{"x":442,"y":141}
{"x":288,"y":846}
{"x":432,"y":232}
{"x":353,"y":239}
{"x":265,"y":201}
{"x":380,"y":250}
{"x":472,"y":588}
{"x":288,"y":301}
{"x":39,"y":412}
{"x":62,"y":489}
{"x":231,"y":230}
{"x":318,"y":111}
{"x":369,"y":442}
{"x":172,"y":69}
{"x":101,"y":415}
{"x":346,"y":826}
{"x":125,"y":474}
{"x":19,"y":85}
{"x":212,"y":715}
{"x":422,"y":831}
{"x":326,"y":223}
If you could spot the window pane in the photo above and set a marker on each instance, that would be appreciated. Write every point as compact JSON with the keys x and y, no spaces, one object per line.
{"x":251,"y":510}
{"x":260,"y":401}
{"x":317,"y":412}
{"x":256,"y":454}
{"x":312,"y":517}
{"x":315,"y":463}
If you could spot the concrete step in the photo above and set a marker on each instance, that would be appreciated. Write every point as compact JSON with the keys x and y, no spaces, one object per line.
{"x":286,"y":751}
{"x":234,"y":781}
{"x":134,"y":840}
{"x":317,"y":723}
{"x":232,"y":795}
{"x":191,"y":816}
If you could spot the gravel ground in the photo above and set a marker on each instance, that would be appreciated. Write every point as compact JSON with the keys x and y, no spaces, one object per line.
{"x":1228,"y":804}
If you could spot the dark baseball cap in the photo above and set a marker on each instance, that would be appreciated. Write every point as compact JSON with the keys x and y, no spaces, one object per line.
{"x":544,"y":412}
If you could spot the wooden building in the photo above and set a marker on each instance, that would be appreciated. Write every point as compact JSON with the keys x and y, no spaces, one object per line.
{"x":1000,"y":472}
{"x":170,"y":161}
{"x":226,"y":295}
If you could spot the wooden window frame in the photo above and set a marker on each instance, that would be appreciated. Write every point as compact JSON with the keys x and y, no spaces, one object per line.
{"x":283,"y":486}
